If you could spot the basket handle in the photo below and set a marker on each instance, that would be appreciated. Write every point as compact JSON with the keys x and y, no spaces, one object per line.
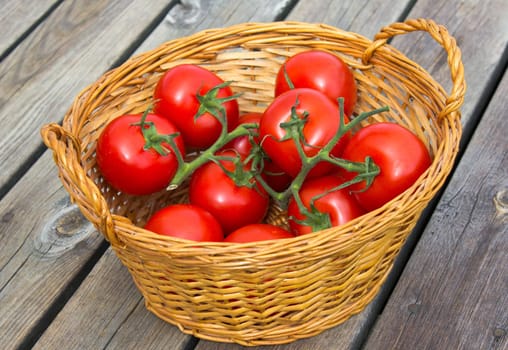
{"x":66,"y":154}
{"x":440,"y":34}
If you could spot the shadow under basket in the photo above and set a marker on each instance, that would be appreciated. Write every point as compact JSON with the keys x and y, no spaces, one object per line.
{"x":267,"y":292}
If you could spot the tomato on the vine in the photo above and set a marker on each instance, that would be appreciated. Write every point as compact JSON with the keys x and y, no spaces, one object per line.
{"x":274,"y":176}
{"x":232,"y":205}
{"x":242,"y":144}
{"x":400,"y":155}
{"x":320,"y":70}
{"x":187,"y":95}
{"x":132,"y":163}
{"x":314,"y":115}
{"x":186,"y":221}
{"x":256,"y":233}
{"x":339,"y":205}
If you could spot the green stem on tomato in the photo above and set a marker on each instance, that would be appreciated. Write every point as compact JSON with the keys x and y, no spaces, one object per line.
{"x":211,"y":103}
{"x":287,"y":78}
{"x":185,"y":169}
{"x":153,"y":139}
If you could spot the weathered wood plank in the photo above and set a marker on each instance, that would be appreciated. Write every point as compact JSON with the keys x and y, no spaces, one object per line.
{"x":364,"y":17}
{"x":44,"y":242}
{"x":69,"y":50}
{"x":98,"y":312}
{"x":194,"y":16}
{"x":16,"y":18}
{"x":453,"y":293}
{"x":38,"y":84}
{"x":143,"y":330}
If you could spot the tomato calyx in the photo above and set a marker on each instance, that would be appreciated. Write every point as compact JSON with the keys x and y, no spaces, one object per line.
{"x":369,"y":171}
{"x":210,"y":103}
{"x":153,"y":139}
{"x":294,"y":127}
{"x":256,"y":157}
{"x":314,"y":218}
{"x":241,"y":177}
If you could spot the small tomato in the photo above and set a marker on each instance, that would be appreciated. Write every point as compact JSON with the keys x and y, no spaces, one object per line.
{"x":129,"y":163}
{"x":176,"y":98}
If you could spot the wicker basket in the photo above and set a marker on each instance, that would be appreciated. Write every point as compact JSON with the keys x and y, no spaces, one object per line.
{"x":264,"y":292}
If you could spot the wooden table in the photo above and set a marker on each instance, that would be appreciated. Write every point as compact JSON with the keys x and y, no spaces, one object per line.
{"x":61,"y":287}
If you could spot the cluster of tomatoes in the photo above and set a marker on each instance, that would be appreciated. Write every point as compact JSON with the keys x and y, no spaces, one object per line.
{"x":306,"y":151}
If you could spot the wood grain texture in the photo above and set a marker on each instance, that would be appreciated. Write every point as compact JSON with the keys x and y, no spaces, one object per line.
{"x":364,"y":17}
{"x":194,"y":16}
{"x":453,"y":293}
{"x":16,"y":18}
{"x":99,"y":310}
{"x":44,"y":242}
{"x":69,"y":50}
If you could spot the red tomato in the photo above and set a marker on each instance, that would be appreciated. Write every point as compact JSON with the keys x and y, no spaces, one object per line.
{"x":321,"y":126}
{"x":339,"y":205}
{"x":127,"y":165}
{"x":401,"y":156}
{"x":274,"y":176}
{"x":257,"y":232}
{"x":186,"y":221}
{"x":242,"y":144}
{"x":175,"y":96}
{"x":322,"y":71}
{"x":233,"y":206}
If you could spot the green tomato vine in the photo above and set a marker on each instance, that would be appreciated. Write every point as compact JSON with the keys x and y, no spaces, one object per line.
{"x":366,"y":170}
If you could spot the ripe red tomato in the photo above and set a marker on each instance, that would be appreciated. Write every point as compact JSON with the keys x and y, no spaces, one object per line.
{"x":127,"y":165}
{"x":257,"y":232}
{"x":186,"y":221}
{"x":242,"y":144}
{"x":175,"y":98}
{"x":401,"y":156}
{"x":321,"y":126}
{"x":339,"y":205}
{"x":233,"y":206}
{"x":320,"y":70}
{"x":274,"y":176}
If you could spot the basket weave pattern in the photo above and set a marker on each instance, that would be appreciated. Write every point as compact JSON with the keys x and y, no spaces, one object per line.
{"x":262,"y":292}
